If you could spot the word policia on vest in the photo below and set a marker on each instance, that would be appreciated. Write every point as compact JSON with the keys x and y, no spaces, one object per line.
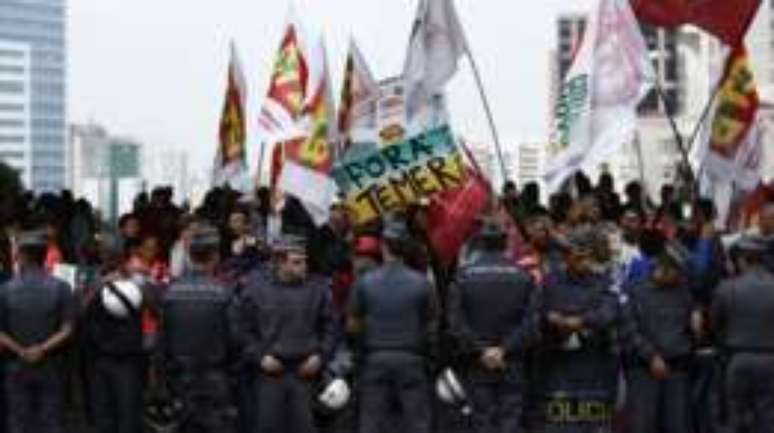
{"x":398,"y":175}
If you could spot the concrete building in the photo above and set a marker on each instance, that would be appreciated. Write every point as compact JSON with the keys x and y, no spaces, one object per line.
{"x":530,"y":163}
{"x":104,"y":169}
{"x":164,"y":166}
{"x":15,"y":135}
{"x":40,"y":25}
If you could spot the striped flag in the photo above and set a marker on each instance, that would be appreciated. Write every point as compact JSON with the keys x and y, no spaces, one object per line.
{"x":230,"y":160}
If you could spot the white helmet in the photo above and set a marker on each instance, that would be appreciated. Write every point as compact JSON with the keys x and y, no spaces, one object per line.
{"x":336,"y":395}
{"x":450,"y":391}
{"x":114,"y":304}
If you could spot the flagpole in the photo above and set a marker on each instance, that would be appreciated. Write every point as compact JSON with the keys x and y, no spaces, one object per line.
{"x":260,"y":162}
{"x":488,"y":110}
{"x":705,"y":113}
{"x":673,"y":124}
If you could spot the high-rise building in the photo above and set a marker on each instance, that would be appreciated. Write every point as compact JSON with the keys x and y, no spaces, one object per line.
{"x":40,"y":24}
{"x":15,"y":134}
{"x":530,"y":163}
{"x":103,"y":169}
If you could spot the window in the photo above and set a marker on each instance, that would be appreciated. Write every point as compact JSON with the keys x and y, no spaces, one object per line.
{"x":11,"y":123}
{"x":6,"y":139}
{"x":11,"y":155}
{"x":47,"y":107}
{"x":48,"y":72}
{"x":47,"y":124}
{"x":13,"y":87}
{"x":11,"y":107}
{"x":31,"y":10}
{"x":13,"y":54}
{"x":48,"y":89}
{"x":6,"y":69}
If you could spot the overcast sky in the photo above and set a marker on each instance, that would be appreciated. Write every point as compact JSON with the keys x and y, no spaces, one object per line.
{"x":156,"y":69}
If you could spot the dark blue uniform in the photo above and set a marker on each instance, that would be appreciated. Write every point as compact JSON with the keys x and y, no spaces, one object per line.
{"x":495,"y":304}
{"x":289,"y":322}
{"x":198,"y":343}
{"x":743,"y":313}
{"x":33,"y":307}
{"x":577,"y":373}
{"x":397,"y":313}
{"x":659,"y":326}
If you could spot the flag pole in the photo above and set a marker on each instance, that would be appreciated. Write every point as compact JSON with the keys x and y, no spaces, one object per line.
{"x":705,"y":113}
{"x":260,"y":163}
{"x":678,"y":136}
{"x":488,"y":110}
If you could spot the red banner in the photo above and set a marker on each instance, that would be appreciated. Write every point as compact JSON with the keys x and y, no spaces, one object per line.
{"x":452,"y":216}
{"x":726,"y":19}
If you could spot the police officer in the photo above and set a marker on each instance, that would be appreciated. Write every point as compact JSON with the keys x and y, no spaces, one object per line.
{"x":198,"y":340}
{"x":112,"y":328}
{"x":494,"y":313}
{"x":393,"y":316}
{"x":37,"y":313}
{"x":289,"y":332}
{"x":663,"y":315}
{"x":743,"y":314}
{"x":577,"y":365}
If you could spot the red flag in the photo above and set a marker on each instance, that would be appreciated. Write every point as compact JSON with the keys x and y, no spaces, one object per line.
{"x":452,"y":216}
{"x":726,"y":19}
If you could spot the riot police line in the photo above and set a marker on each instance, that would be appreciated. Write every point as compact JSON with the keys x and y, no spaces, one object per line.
{"x":270,"y":351}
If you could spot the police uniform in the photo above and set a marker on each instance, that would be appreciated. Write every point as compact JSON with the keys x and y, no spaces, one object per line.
{"x":659,"y":325}
{"x":248,"y":374}
{"x":34,"y":307}
{"x":116,"y":365}
{"x":493,"y":303}
{"x":743,"y":314}
{"x":289,"y":322}
{"x":577,"y":372}
{"x":395,"y":310}
{"x":198,"y":342}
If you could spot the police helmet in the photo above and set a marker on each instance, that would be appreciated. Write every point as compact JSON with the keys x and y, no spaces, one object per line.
{"x":449,"y":390}
{"x":121,"y":298}
{"x":335,"y":394}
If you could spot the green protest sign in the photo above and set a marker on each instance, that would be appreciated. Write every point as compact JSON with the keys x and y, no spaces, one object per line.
{"x":381,"y":180}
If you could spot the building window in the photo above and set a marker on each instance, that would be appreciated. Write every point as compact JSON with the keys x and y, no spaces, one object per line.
{"x":11,"y":123}
{"x":6,"y":69}
{"x":14,"y":87}
{"x":47,"y":124}
{"x":6,"y":139}
{"x":13,"y":54}
{"x":11,"y":155}
{"x":11,"y":107}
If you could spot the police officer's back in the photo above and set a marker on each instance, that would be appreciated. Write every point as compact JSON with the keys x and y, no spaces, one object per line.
{"x":743,"y":316}
{"x":494,"y":314}
{"x":393,"y":317}
{"x":199,"y":338}
{"x":36,"y":318}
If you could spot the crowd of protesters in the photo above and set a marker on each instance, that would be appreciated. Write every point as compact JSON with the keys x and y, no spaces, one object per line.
{"x":598,"y":312}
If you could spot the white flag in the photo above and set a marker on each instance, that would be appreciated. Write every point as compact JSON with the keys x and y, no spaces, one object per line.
{"x":436,"y":45}
{"x":596,"y":111}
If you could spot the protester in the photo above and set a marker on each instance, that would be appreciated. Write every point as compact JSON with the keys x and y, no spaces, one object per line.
{"x":584,"y":239}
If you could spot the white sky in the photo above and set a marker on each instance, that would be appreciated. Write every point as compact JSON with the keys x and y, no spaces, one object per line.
{"x":156,"y":69}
